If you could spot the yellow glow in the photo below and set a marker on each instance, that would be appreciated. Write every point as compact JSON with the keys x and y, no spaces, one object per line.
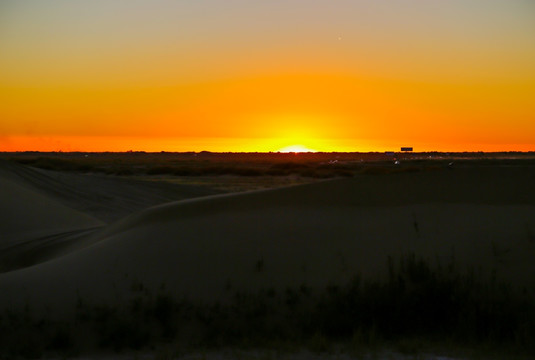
{"x":295,"y":149}
{"x":118,"y":143}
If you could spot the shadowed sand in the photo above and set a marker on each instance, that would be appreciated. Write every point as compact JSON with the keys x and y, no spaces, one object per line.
{"x":106,"y":198}
{"x":46,"y":214}
{"x":317,"y":234}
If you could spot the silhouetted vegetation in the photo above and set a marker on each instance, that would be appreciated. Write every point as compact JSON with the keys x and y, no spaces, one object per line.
{"x":311,"y":165}
{"x":416,"y":306}
{"x":306,"y":165}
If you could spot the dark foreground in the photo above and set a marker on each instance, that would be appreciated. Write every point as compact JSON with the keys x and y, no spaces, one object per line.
{"x":422,"y":306}
{"x":420,"y":309}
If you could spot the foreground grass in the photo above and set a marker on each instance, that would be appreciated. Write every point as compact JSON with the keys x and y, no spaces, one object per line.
{"x":419,"y":309}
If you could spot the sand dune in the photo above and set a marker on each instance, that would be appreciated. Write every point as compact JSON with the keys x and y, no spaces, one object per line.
{"x":26,"y":213}
{"x":46,"y":214}
{"x":106,"y":198}
{"x":316,"y":234}
{"x":39,"y":249}
{"x":35,"y":227}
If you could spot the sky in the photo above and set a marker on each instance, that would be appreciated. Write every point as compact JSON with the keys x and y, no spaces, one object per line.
{"x":243,"y":75}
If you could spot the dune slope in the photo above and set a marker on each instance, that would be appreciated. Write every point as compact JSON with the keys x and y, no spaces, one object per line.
{"x":45,"y":214}
{"x":26,"y":213}
{"x":106,"y":198}
{"x":35,"y":227}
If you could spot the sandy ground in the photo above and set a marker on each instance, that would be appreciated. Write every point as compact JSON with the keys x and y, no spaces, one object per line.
{"x":314,"y":234}
{"x":66,"y":236}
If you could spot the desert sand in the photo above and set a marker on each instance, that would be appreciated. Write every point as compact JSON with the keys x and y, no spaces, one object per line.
{"x":67,"y":237}
{"x":313,"y":234}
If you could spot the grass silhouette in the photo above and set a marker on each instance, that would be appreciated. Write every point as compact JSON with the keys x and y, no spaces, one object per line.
{"x":419,"y":304}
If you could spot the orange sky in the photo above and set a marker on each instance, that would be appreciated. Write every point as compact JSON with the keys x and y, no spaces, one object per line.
{"x":246,"y":76}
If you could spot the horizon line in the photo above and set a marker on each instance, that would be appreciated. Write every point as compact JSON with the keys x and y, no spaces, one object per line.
{"x":268,"y":152}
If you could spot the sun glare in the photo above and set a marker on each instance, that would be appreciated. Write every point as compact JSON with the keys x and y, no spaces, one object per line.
{"x":295,"y":149}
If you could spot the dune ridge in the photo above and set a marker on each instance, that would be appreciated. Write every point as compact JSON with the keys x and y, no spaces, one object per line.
{"x":464,"y":185}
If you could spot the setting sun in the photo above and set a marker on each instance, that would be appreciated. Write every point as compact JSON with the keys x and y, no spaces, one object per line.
{"x":295,"y":149}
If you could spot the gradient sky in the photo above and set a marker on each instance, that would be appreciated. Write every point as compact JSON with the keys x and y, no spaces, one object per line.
{"x":242,"y":75}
